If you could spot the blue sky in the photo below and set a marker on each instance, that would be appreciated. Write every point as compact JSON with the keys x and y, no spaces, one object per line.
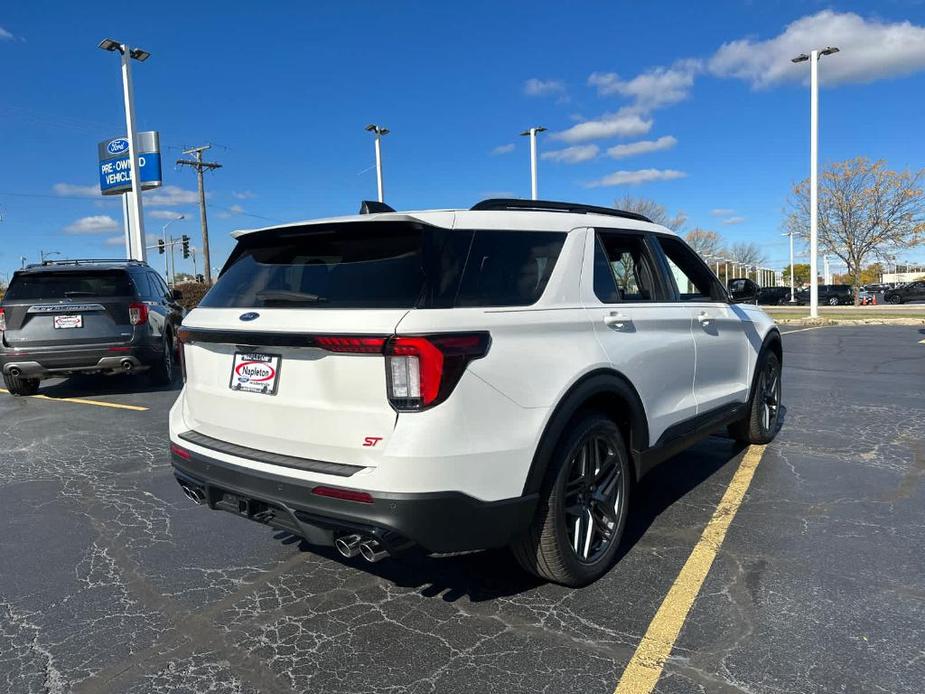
{"x":695,"y":105}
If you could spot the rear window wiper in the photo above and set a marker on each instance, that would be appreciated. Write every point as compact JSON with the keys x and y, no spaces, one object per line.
{"x":287,"y":295}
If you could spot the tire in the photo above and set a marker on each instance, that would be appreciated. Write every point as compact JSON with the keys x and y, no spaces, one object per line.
{"x":763,"y":413}
{"x":568,"y":548}
{"x":163,"y":372}
{"x":17,"y":385}
{"x":896,"y":300}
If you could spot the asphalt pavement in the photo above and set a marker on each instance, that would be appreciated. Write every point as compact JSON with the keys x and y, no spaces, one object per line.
{"x":112,"y":581}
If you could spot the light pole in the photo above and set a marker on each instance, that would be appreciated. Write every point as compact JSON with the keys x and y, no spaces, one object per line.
{"x":792,"y":297}
{"x":44,"y":255}
{"x":22,"y":261}
{"x":379,"y":132}
{"x":137,"y":217}
{"x":164,"y":237}
{"x":531,"y":133}
{"x":813,"y":59}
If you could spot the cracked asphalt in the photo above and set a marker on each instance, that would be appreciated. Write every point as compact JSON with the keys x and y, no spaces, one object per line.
{"x":111,"y":581}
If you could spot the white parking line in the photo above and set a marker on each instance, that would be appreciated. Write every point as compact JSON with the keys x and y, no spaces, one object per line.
{"x":800,"y":330}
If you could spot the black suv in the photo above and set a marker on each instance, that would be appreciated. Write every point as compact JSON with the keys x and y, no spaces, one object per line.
{"x":87,"y":316}
{"x":831,"y":294}
{"x":913,"y":291}
{"x":773,"y":296}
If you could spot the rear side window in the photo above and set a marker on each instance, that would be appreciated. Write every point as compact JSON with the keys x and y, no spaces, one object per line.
{"x":386,"y":265}
{"x":70,"y":285}
{"x":622,"y":269}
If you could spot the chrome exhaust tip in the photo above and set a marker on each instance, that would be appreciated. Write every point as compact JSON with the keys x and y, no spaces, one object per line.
{"x":14,"y":371}
{"x":193,"y":494}
{"x":373,"y":551}
{"x":127,"y":365}
{"x":348,"y":545}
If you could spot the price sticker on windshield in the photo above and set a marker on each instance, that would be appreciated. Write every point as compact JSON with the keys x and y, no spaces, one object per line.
{"x":255,"y":373}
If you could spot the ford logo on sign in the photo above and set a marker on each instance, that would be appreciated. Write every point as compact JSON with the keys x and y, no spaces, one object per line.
{"x":249,"y":316}
{"x":117,"y":146}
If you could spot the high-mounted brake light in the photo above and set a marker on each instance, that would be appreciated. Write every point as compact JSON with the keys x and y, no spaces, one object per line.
{"x":423,"y":370}
{"x":137,"y":313}
{"x":2,"y":320}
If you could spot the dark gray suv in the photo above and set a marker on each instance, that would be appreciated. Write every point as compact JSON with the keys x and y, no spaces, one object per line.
{"x":87,"y":316}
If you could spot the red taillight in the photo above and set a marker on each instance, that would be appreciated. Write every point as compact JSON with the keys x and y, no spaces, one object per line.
{"x":137,"y":313}
{"x":351,"y":345}
{"x":345,"y":494}
{"x":180,"y":452}
{"x":422,"y":371}
{"x":2,"y":320}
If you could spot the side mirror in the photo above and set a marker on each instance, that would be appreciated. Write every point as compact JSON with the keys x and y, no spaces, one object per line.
{"x":176,"y":294}
{"x":743,"y":290}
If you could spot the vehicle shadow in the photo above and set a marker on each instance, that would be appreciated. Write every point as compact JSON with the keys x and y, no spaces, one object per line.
{"x":492,"y":574}
{"x":84,"y":386}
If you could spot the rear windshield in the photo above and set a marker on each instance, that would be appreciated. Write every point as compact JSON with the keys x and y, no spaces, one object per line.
{"x":69,"y":285}
{"x":386,"y":265}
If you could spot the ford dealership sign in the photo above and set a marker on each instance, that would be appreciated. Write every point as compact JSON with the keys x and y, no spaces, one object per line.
{"x":115,"y":167}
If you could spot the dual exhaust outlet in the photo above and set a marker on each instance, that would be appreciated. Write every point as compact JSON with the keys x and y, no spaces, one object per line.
{"x":371,"y":549}
{"x":194,"y":494}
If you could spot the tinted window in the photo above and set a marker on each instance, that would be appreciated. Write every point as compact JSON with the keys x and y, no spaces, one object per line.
{"x":508,"y":268}
{"x":66,"y":285}
{"x":386,"y":265}
{"x":622,"y":269}
{"x":695,"y":281}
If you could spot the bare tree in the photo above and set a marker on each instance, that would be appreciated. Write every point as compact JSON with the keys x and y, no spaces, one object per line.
{"x":658,"y":213}
{"x":747,"y":253}
{"x":705,"y":242}
{"x":864,"y":209}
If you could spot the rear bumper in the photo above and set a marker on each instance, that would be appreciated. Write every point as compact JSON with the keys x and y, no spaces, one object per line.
{"x":438,"y":522}
{"x":45,"y":363}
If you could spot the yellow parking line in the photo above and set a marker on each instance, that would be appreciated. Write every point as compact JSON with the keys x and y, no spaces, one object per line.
{"x":81,"y":401}
{"x":645,"y":667}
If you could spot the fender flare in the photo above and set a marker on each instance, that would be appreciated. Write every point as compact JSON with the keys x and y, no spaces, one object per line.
{"x":613,"y":387}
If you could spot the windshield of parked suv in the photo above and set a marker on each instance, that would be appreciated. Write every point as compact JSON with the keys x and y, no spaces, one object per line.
{"x":386,"y":265}
{"x":67,"y":285}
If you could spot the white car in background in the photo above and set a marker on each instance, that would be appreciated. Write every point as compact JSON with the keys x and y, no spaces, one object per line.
{"x":463,"y":379}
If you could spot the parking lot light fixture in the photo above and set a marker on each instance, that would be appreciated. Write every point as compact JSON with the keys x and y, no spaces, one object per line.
{"x":379,"y":132}
{"x":531,"y":133}
{"x":813,"y":59}
{"x":137,"y":236}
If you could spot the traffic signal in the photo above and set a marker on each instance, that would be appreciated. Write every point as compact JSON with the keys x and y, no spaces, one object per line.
{"x":200,"y":278}
{"x":160,"y":246}
{"x":184,"y":241}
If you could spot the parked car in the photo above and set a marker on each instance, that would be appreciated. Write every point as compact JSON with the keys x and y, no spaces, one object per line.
{"x":877,"y":288}
{"x":86,"y":316}
{"x":831,"y":294}
{"x":460,"y":380}
{"x":913,"y":291}
{"x":773,"y":296}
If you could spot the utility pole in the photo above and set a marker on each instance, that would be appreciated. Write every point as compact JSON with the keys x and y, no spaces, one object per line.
{"x":200,"y":166}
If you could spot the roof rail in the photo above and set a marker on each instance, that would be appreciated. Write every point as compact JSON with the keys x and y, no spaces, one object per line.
{"x":81,"y":261}
{"x":552,"y":206}
{"x":374,"y":206}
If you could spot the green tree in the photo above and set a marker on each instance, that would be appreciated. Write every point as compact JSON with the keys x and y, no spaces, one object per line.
{"x":864,"y":209}
{"x":800,"y":274}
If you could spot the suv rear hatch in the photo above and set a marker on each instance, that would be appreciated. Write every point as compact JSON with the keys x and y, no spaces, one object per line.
{"x":68,"y":308}
{"x":294,"y":350}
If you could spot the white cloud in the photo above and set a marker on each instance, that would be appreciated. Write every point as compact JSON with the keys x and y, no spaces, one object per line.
{"x":236,"y":209}
{"x":620,"y":178}
{"x":657,"y":87}
{"x":170,"y":195}
{"x":503,"y":149}
{"x":538,"y":87}
{"x":721,"y":212}
{"x":95,"y":224}
{"x":572,"y":155}
{"x":620,"y":124}
{"x":504,"y":194}
{"x":73,"y":190}
{"x":642,"y":147}
{"x":5,"y":35}
{"x":115,"y":241}
{"x":870,"y":49}
{"x":243,"y":194}
{"x":163,"y":214}
{"x":735,"y":219}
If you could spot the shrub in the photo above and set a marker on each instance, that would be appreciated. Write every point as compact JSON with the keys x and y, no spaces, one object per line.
{"x":192,"y":294}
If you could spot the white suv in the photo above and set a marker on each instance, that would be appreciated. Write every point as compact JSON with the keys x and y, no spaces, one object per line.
{"x":463,"y":379}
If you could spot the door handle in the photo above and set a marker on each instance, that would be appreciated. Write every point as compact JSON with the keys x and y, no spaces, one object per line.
{"x":616,"y":320}
{"x":703,"y":318}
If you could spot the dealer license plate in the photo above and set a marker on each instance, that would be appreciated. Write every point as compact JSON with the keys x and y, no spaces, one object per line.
{"x":69,"y":321}
{"x":255,"y":373}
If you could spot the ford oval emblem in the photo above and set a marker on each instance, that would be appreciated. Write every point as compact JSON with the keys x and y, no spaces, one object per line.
{"x":251,"y":315}
{"x":117,"y":146}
